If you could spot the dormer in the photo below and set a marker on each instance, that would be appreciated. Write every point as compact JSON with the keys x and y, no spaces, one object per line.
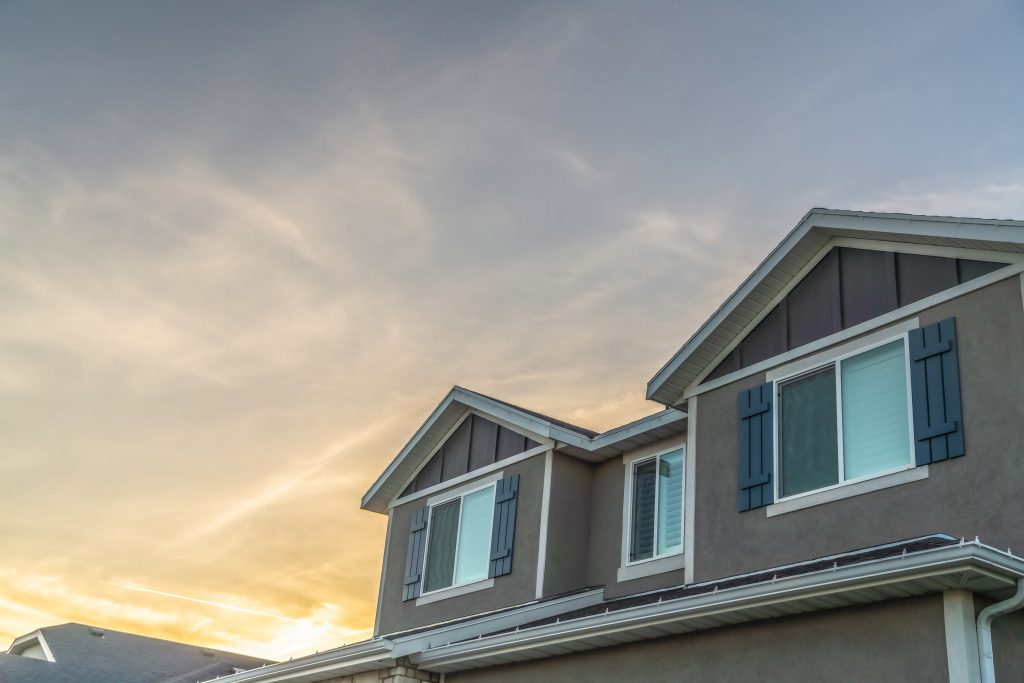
{"x":31,"y":646}
{"x":488,"y":508}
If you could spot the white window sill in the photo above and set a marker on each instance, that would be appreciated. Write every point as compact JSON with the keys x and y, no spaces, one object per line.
{"x":849,"y":490}
{"x":651,"y":567}
{"x":454,"y":591}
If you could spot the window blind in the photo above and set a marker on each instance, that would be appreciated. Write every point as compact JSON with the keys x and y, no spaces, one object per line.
{"x":876,"y":430}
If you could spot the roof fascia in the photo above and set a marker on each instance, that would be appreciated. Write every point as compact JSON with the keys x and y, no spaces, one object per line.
{"x":547,"y":432}
{"x":355,"y":658}
{"x":1006,"y":231}
{"x":950,"y":559}
{"x":415,"y":439}
{"x":700,"y":385}
{"x":366,"y":656}
{"x":627,"y":431}
{"x":773,"y":258}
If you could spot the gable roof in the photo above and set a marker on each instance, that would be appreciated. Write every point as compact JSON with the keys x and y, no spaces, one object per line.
{"x":86,"y":654}
{"x":558,"y":434}
{"x":793,"y":257}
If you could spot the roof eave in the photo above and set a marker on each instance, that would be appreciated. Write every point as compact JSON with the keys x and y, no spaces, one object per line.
{"x":972,"y":565}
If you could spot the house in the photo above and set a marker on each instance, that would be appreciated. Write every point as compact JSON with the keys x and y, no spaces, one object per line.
{"x":831,"y":490}
{"x":77,"y":653}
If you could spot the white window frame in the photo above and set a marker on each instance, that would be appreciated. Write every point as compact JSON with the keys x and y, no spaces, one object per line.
{"x":462,"y":492}
{"x":834,"y":360}
{"x":627,"y":530}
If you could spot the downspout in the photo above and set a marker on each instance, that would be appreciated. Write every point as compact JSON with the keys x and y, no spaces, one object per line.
{"x":985,"y":619}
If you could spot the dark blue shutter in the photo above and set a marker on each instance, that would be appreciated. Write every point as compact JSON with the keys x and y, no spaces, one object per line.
{"x":755,"y":460}
{"x":935,"y":392}
{"x":503,"y":533}
{"x":414,"y":558}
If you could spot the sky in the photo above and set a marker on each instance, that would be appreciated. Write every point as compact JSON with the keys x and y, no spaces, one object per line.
{"x":246,"y":247}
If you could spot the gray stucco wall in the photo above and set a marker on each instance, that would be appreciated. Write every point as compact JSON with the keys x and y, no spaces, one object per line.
{"x":606,"y":529}
{"x":511,"y":589}
{"x":568,"y":525}
{"x":978,"y":494}
{"x":899,"y":640}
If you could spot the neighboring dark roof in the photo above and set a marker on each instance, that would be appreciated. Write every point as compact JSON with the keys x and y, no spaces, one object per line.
{"x":811,"y":566}
{"x":117,"y":657}
{"x":589,"y":433}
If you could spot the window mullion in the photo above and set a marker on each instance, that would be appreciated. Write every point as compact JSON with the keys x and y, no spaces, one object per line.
{"x":455,"y":555}
{"x":657,"y":486}
{"x":839,"y":421}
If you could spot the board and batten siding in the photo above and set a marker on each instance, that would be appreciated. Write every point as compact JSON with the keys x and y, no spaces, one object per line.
{"x":847,"y":287}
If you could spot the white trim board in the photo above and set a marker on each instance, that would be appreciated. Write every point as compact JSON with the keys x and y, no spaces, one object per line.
{"x":850,"y":490}
{"x":542,"y":543}
{"x":962,"y":654}
{"x":689,"y":491}
{"x":454,"y":592}
{"x":890,"y":333}
{"x":965,"y":253}
{"x":866,"y":326}
{"x":470,"y":476}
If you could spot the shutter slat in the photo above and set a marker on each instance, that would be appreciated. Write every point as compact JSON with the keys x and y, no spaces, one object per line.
{"x":755,"y":448}
{"x":414,"y":556}
{"x":935,"y":391}
{"x":504,"y":526}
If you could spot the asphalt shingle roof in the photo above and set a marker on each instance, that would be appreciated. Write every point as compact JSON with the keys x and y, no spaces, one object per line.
{"x":117,"y":657}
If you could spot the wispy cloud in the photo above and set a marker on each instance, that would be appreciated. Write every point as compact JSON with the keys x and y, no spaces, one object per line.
{"x":237,"y":270}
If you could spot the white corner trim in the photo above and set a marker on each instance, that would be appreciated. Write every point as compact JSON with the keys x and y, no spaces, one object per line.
{"x":545,"y":504}
{"x":1012,"y":270}
{"x":962,"y":656}
{"x":658,"y":565}
{"x":450,"y":493}
{"x":689,"y":489}
{"x":889,"y":333}
{"x":455,"y":591}
{"x":848,"y":490}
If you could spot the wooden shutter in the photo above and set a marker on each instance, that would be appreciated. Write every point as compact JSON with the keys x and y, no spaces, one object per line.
{"x":755,"y":456}
{"x":414,"y":558}
{"x":935,"y":392}
{"x":503,"y":532}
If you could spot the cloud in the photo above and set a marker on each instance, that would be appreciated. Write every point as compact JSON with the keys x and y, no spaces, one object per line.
{"x":994,"y":198}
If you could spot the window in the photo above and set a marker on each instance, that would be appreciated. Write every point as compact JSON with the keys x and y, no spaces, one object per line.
{"x":656,"y":510}
{"x":844,"y":421}
{"x":459,"y":540}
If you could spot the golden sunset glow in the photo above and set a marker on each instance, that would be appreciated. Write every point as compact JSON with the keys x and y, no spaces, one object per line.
{"x":246,"y":249}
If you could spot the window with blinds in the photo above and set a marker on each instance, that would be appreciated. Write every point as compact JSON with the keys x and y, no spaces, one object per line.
{"x":459,"y":540}
{"x":656,"y":511}
{"x":844,"y":421}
